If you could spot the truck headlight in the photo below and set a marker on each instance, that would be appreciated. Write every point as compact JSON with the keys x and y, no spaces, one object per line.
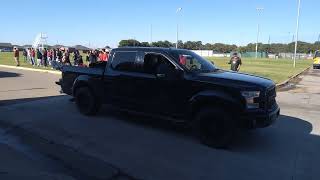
{"x":251,"y":98}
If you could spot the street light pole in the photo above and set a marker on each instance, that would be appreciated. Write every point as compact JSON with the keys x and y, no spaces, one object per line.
{"x":292,"y":38}
{"x":151,"y":35}
{"x":297,"y":33}
{"x":259,"y":10}
{"x":177,"y":36}
{"x":258,"y":32}
{"x":178,"y":10}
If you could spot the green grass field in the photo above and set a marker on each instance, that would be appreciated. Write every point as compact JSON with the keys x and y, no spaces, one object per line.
{"x":277,"y":70}
{"x":6,"y":58}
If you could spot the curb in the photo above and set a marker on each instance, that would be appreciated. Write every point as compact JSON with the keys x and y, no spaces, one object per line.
{"x":32,"y":69}
{"x":284,"y":83}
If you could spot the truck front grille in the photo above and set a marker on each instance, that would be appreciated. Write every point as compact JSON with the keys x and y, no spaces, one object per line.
{"x":271,"y":98}
{"x":269,"y":101}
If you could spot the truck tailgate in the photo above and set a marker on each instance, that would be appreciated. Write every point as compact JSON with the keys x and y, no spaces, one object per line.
{"x":70,"y":73}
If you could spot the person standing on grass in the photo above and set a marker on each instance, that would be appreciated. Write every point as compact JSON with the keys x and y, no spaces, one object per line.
{"x":103,"y":56}
{"x":39,"y":58}
{"x":25,"y":54}
{"x":66,"y":58}
{"x":235,"y":62}
{"x":29,"y":55}
{"x":54,"y":54}
{"x":16,"y":55}
{"x":92,"y":57}
{"x":80,"y":61}
{"x":59,"y":55}
{"x":45,"y":57}
{"x":33,"y":55}
{"x":49,"y":54}
{"x":54,"y":62}
{"x":107,"y":54}
{"x":100,"y":55}
{"x":68,"y":62}
{"x":76,"y":55}
{"x":87,"y":56}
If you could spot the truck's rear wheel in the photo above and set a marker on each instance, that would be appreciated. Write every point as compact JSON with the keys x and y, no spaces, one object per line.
{"x":86,"y":102}
{"x":215,"y":127}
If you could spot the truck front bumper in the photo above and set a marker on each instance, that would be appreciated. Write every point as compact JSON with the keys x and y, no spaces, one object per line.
{"x":260,"y":119}
{"x":316,"y":66}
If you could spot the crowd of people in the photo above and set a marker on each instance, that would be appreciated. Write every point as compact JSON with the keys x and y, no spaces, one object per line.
{"x":56,"y":58}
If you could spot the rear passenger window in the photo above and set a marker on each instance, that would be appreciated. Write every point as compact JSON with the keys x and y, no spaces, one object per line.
{"x":124,"y":61}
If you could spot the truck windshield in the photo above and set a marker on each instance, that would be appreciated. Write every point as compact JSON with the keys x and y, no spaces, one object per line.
{"x":192,"y":61}
{"x":317,"y":54}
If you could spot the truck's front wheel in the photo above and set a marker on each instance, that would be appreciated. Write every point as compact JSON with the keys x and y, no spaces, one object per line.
{"x":86,"y":102}
{"x":214,"y":127}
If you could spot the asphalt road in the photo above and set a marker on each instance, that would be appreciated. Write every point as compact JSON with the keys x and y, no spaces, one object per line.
{"x":18,"y":86}
{"x":18,"y":159}
{"x":152,"y":149}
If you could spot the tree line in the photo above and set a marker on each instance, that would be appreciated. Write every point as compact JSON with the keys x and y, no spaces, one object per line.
{"x":303,"y":47}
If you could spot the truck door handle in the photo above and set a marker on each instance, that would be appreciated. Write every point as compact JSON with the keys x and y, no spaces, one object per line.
{"x":160,"y":75}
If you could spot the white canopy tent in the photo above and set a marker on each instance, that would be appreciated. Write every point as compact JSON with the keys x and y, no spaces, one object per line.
{"x":40,"y":41}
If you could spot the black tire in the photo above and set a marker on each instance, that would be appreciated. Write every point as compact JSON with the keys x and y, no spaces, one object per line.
{"x":86,"y":102}
{"x":214,"y":127}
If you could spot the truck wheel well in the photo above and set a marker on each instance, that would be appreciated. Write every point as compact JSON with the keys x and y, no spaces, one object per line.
{"x":214,"y":103}
{"x":79,"y":85}
{"x":85,"y":84}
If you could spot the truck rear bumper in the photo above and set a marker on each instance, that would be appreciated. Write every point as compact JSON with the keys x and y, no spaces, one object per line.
{"x":261,"y":119}
{"x":59,"y":82}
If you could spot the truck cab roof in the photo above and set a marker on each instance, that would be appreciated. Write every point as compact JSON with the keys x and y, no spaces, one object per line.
{"x":156,"y":49}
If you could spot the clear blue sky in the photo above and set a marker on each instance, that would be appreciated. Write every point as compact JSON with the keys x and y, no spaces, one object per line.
{"x":105,"y":22}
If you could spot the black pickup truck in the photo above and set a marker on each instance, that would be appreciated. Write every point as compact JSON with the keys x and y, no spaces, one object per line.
{"x":175,"y":84}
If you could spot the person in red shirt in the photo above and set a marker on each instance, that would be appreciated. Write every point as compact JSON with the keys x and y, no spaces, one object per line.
{"x":183,"y":60}
{"x":33,"y":55}
{"x":103,"y":56}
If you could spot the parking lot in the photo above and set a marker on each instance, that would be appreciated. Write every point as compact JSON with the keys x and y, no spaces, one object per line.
{"x":147,"y":148}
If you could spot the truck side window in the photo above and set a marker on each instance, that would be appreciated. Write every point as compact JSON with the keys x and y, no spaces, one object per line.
{"x":153,"y":61}
{"x":124,"y":61}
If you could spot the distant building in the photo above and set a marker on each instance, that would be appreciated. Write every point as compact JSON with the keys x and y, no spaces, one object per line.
{"x":210,"y":53}
{"x":21,"y":48}
{"x":6,"y":46}
{"x":57,"y":46}
{"x":27,"y":46}
{"x":81,"y":48}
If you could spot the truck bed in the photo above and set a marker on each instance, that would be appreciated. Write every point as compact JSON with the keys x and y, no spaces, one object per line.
{"x":82,"y":70}
{"x":70,"y":73}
